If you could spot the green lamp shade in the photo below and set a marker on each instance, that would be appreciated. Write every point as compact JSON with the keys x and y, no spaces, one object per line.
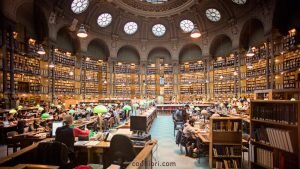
{"x":109,"y":105}
{"x":73,"y":106}
{"x":293,"y":99}
{"x":100,"y":109}
{"x":142,"y":103}
{"x":229,"y":105}
{"x":37,"y":105}
{"x":191,"y":106}
{"x":88,"y":109}
{"x":52,"y":105}
{"x":58,"y":106}
{"x":40,"y":109}
{"x":20,"y":107}
{"x":45,"y":115}
{"x":127,"y":107}
{"x":13,"y":111}
{"x":71,"y":111}
{"x":197,"y":108}
{"x":135,"y":105}
{"x":83,"y":104}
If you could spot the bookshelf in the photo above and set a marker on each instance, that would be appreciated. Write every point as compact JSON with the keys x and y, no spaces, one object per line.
{"x":225,"y":148}
{"x":274,"y":134}
{"x":224,"y":80}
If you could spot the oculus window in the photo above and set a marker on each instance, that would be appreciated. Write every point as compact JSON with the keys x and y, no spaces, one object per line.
{"x":158,"y":30}
{"x":130,"y":28}
{"x":213,"y":14}
{"x":79,"y":6}
{"x":104,"y":19}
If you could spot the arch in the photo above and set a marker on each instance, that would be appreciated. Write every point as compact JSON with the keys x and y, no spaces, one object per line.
{"x":67,"y":41}
{"x":161,"y":53}
{"x":31,"y":21}
{"x":98,"y":49}
{"x":128,"y":54}
{"x":189,"y":53}
{"x":284,"y":20}
{"x":252,"y":33}
{"x":221,"y":45}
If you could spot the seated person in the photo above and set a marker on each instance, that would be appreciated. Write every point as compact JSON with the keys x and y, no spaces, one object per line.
{"x":35,"y":125}
{"x":177,"y":116}
{"x":189,"y":130}
{"x":65,"y":134}
{"x":11,"y":118}
{"x":111,"y":119}
{"x":21,"y":124}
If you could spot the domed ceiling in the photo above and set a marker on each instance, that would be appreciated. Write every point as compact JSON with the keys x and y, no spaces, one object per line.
{"x":155,"y":19}
{"x":154,"y":8}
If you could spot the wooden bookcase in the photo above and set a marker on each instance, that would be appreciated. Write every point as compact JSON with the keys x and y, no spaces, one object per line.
{"x":225,"y":148}
{"x":274,"y":134}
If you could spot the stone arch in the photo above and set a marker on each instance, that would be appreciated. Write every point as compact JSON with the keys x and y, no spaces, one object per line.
{"x":128,"y":54}
{"x":67,"y":40}
{"x":252,"y":33}
{"x":159,"y":52}
{"x":220,"y":45}
{"x":190,"y":52}
{"x":31,"y":21}
{"x":98,"y":49}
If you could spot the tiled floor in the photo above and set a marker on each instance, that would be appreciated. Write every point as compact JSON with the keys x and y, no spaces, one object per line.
{"x":168,"y":151}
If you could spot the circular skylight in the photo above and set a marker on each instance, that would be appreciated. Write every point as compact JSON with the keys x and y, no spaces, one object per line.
{"x":130,"y":28}
{"x":158,"y":30}
{"x":79,"y":6}
{"x":240,"y":2}
{"x":213,"y":14}
{"x":104,"y":19}
{"x":186,"y":25}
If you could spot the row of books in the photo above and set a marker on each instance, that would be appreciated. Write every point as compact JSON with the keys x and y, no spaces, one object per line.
{"x":275,"y":137}
{"x":226,"y":151}
{"x":261,"y":156}
{"x":232,"y":164}
{"x":272,"y":159}
{"x":227,"y":126}
{"x":279,"y":113}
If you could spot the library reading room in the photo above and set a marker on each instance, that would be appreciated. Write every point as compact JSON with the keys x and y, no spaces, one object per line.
{"x":150,"y":84}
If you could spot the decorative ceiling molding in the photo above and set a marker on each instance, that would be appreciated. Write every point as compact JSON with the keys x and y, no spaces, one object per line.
{"x":172,"y":7}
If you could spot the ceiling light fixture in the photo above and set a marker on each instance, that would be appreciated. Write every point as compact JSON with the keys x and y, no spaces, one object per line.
{"x":105,"y":82}
{"x":41,"y":50}
{"x":51,"y":65}
{"x":195,"y":33}
{"x":235,"y":73}
{"x":71,"y":73}
{"x":250,"y":52}
{"x":87,"y":59}
{"x":249,"y":66}
{"x":221,"y":77}
{"x":82,"y":32}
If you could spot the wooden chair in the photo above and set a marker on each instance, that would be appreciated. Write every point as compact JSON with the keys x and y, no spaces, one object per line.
{"x":11,"y":143}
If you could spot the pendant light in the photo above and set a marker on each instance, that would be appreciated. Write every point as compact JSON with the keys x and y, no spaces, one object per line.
{"x":71,"y":73}
{"x":250,"y":52}
{"x":249,"y":66}
{"x":51,"y":65}
{"x":41,"y":50}
{"x":195,"y":33}
{"x":82,"y":32}
{"x":235,"y":73}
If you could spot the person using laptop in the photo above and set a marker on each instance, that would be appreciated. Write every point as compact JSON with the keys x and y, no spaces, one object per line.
{"x":65,"y":135}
